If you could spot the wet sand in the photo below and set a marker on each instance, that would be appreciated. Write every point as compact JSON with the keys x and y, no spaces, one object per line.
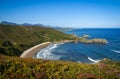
{"x":33,"y":50}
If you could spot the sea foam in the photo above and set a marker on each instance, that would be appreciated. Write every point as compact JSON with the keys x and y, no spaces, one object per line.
{"x":46,"y":53}
{"x":95,"y":61}
{"x":116,"y":51}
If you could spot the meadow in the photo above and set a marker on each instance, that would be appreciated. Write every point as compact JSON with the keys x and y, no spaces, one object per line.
{"x":28,"y":68}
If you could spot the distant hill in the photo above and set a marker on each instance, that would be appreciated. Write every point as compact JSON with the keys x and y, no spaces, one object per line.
{"x":8,"y":23}
{"x":62,"y":29}
{"x":24,"y":24}
{"x":14,"y":39}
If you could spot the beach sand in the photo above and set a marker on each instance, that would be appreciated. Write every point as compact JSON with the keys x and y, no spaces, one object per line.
{"x":33,"y":50}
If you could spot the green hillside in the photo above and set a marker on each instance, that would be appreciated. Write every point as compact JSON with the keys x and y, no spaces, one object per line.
{"x":20,"y":68}
{"x":15,"y":39}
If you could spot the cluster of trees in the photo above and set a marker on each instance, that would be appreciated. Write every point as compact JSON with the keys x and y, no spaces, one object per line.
{"x":7,"y":48}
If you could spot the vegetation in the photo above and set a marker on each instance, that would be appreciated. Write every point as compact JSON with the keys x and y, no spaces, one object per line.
{"x":15,"y":39}
{"x":16,"y":68}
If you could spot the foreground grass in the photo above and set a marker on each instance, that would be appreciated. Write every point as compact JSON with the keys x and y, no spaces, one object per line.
{"x":16,"y":68}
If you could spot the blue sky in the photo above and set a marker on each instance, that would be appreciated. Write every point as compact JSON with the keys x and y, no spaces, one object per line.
{"x":64,"y":13}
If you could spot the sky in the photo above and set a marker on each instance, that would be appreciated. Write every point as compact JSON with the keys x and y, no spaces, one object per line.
{"x":63,"y":13}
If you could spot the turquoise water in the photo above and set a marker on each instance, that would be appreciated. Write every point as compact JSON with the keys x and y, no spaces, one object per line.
{"x":85,"y":53}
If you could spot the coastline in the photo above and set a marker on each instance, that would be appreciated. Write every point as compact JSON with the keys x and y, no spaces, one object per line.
{"x":63,"y":41}
{"x":29,"y":53}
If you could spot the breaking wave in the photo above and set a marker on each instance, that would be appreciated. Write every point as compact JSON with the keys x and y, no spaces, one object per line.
{"x":46,"y":53}
{"x":94,"y":61}
{"x":116,"y":51}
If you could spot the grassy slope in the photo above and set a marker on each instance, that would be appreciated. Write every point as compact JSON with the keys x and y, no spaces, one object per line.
{"x":20,"y":38}
{"x":15,"y":67}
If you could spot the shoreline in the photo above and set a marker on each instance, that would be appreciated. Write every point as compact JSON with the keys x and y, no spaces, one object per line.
{"x":29,"y":53}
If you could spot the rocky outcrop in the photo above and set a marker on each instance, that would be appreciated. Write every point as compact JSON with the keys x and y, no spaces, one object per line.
{"x":84,"y":39}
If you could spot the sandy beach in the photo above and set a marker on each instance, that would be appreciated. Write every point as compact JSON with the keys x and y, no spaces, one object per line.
{"x":33,"y":50}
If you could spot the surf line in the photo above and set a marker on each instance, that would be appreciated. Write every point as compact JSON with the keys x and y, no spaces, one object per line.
{"x":95,"y":61}
{"x":33,"y":50}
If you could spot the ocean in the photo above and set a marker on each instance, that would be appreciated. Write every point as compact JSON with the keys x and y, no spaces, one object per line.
{"x":85,"y":53}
